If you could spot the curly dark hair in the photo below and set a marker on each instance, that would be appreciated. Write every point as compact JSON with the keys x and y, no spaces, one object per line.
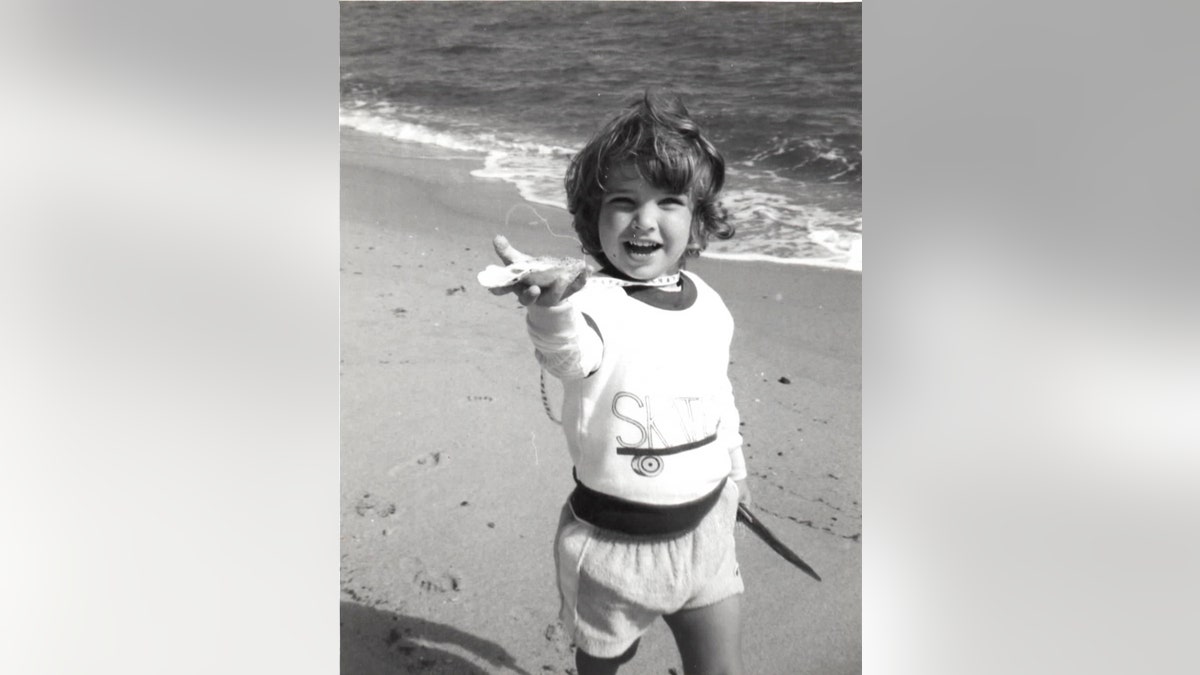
{"x":656,"y":135}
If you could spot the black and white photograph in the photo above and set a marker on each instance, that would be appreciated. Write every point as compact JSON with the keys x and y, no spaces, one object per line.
{"x":601,"y":337}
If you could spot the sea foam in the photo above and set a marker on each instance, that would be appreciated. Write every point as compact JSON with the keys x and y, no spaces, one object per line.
{"x":771,"y":226}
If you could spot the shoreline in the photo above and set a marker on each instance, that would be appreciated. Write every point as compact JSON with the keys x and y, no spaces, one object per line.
{"x":413,"y":149}
{"x":452,"y":475}
{"x":772,"y":260}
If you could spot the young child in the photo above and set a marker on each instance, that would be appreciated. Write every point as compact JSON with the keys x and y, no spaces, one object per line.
{"x":642,"y":349}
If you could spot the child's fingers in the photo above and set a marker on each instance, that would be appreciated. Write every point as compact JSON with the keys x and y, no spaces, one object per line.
{"x":521,"y":290}
{"x":555,"y":292}
{"x":551,"y":293}
{"x":526,"y":294}
{"x":529,"y":295}
{"x":506,"y":251}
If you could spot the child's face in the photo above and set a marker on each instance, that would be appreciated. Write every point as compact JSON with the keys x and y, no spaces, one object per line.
{"x":644,"y":231}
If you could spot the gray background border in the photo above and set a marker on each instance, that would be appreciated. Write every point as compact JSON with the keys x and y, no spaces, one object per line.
{"x":170,"y":380}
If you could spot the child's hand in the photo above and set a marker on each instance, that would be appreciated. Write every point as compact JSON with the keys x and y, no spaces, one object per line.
{"x":546,"y":287}
{"x":743,"y":487}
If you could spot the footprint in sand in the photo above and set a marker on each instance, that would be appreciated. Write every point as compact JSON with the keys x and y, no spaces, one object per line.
{"x":428,"y":582}
{"x":432,"y":459}
{"x":556,"y":635}
{"x":369,"y":503}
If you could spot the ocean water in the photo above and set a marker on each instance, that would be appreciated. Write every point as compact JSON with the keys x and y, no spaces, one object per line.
{"x":522,"y":85}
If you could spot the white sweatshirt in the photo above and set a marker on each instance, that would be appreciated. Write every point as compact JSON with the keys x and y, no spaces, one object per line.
{"x":648,"y":408}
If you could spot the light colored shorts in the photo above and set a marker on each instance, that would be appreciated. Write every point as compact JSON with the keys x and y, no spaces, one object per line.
{"x":613,"y":586}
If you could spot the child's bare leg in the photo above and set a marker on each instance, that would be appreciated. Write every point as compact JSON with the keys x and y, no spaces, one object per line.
{"x":710,"y":638}
{"x":587,"y":664}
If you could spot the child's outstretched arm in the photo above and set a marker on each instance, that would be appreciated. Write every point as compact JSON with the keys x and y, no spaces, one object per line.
{"x":565,"y":343}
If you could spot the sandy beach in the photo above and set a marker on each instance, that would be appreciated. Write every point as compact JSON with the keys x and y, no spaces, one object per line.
{"x":452,"y":474}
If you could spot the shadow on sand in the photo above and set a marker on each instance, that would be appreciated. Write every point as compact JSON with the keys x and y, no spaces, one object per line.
{"x":378,"y":642}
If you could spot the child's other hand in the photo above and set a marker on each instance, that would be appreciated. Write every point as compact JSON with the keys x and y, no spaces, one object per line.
{"x":743,"y":487}
{"x":543,"y":289}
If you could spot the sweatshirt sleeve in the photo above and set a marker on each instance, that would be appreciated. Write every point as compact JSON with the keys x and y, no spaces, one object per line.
{"x":565,"y":343}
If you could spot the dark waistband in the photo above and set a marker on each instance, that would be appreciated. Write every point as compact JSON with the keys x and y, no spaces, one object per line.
{"x":635,"y":518}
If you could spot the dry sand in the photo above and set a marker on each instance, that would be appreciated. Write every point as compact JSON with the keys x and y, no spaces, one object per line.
{"x":452,"y":474}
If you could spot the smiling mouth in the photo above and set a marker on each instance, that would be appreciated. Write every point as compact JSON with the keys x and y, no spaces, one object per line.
{"x":641,"y":247}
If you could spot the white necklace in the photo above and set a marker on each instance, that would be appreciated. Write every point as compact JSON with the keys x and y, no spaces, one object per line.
{"x":657,"y":282}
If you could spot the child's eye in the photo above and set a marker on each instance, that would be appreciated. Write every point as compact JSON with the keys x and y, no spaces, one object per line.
{"x":623,"y":202}
{"x":673,"y":201}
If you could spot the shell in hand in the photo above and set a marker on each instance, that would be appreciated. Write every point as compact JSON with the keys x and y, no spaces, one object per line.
{"x":541,"y":271}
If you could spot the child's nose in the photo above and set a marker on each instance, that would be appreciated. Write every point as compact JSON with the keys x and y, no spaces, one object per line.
{"x":644,"y":219}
